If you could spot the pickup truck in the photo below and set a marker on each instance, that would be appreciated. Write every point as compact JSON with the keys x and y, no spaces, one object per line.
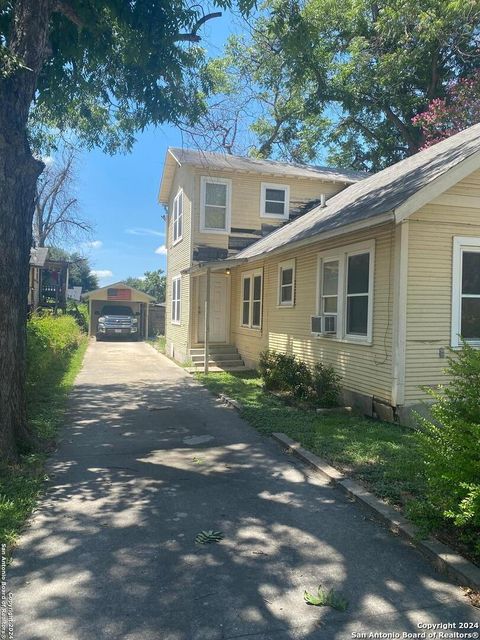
{"x":117,"y":320}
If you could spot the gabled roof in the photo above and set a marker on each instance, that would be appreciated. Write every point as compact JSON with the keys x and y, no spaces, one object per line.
{"x":208,"y":160}
{"x":38,"y":256}
{"x":391,"y":194}
{"x":140,"y":296}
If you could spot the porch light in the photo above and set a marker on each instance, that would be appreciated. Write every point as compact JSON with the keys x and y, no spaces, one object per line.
{"x":227,"y":271}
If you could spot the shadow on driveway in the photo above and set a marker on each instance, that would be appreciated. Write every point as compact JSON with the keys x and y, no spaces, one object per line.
{"x":147,"y":460}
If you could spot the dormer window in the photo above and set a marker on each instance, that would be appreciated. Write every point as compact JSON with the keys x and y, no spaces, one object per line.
{"x":275,"y":201}
{"x":215,"y":205}
{"x":177,"y":217}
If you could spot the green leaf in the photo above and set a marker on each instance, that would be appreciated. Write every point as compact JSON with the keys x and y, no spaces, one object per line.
{"x":207,"y":537}
{"x":326,"y":598}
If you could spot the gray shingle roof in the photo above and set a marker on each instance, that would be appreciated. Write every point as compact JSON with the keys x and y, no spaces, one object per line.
{"x":226,"y":162}
{"x":378,"y":194}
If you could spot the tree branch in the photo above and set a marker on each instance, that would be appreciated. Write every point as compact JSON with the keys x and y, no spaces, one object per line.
{"x":68,"y":12}
{"x":193,"y":37}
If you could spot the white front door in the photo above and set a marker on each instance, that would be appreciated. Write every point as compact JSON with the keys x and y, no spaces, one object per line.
{"x":219,"y":307}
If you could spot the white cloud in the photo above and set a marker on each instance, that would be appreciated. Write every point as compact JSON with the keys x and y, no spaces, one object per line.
{"x":94,"y":244}
{"x":48,"y":160}
{"x":143,"y":231}
{"x":102,"y":273}
{"x":161,"y":250}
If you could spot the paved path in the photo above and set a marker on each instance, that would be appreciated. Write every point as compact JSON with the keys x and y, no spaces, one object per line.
{"x":148,"y":459}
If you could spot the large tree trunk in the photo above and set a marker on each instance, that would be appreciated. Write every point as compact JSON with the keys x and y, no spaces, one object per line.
{"x":18,"y":175}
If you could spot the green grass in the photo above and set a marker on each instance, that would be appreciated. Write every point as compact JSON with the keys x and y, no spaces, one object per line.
{"x":384,"y":456}
{"x":158,"y":343}
{"x":22,"y":483}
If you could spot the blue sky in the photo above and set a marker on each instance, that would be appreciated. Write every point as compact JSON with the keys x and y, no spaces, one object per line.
{"x":118,"y":194}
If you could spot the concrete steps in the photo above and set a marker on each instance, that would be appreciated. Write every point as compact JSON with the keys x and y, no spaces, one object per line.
{"x":221,"y":358}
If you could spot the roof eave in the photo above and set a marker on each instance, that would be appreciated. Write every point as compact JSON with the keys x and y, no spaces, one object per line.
{"x":384,"y":218}
{"x":112,"y":286}
{"x":438,"y":186}
{"x":171,"y":162}
{"x":213,"y":265}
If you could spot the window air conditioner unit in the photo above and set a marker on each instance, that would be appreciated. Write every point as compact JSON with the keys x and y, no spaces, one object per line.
{"x":329,"y":324}
{"x":316,"y":324}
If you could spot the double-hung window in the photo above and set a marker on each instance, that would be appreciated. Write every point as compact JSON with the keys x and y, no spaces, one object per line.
{"x":274,"y":201}
{"x":358,"y":293}
{"x":345,"y":293}
{"x":177,"y":217}
{"x":286,"y":283}
{"x":215,"y":204}
{"x":251,"y":307}
{"x":466,"y":290}
{"x":176,"y":299}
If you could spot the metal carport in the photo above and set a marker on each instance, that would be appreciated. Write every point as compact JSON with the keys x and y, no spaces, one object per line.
{"x":121,"y":293}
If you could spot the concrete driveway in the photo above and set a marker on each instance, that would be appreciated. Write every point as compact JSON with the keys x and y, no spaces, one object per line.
{"x":147,"y":460}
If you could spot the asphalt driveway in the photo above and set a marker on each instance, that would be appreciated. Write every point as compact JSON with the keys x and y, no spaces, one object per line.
{"x":147,"y":460}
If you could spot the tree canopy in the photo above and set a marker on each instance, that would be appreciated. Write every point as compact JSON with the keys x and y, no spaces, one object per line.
{"x":112,"y":68}
{"x":57,"y":217}
{"x":343,"y":80}
{"x":153,"y":282}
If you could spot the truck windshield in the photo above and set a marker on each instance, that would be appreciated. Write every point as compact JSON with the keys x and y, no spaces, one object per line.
{"x":114,"y":310}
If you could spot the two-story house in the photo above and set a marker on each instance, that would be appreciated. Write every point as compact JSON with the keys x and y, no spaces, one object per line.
{"x":378,"y":276}
{"x":217,"y":205}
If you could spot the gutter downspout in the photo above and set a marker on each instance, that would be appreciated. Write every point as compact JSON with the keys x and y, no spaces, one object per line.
{"x":207,"y":322}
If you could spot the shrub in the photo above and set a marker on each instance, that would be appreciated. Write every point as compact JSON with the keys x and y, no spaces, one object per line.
{"x":50,"y":340}
{"x":450,"y":441}
{"x":267,"y":367}
{"x":325,"y":385}
{"x":80,"y":313}
{"x":283,"y":372}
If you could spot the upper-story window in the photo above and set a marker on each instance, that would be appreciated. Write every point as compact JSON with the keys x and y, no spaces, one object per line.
{"x":215,"y":204}
{"x":275,"y":201}
{"x":466,"y":291}
{"x":177,"y":217}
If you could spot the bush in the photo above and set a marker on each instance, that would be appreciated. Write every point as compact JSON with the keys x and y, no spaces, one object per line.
{"x":284,"y":372}
{"x":450,"y":441}
{"x":80,"y":313}
{"x":51,"y":340}
{"x":326,"y":385}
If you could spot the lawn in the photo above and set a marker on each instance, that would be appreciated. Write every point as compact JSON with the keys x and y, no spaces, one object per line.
{"x":21,"y":484}
{"x":383,"y":456}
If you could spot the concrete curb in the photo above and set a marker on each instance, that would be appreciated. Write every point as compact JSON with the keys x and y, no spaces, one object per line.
{"x":230,"y":401}
{"x":440,"y":555}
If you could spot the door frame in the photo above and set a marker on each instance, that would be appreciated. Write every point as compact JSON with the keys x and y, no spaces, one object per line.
{"x":200,"y":339}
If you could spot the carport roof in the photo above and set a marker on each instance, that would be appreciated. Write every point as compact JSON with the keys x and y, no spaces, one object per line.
{"x":102,"y":293}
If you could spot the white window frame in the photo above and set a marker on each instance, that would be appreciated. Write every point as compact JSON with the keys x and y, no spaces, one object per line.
{"x":177,"y":217}
{"x":176,"y":297}
{"x":322,"y":296}
{"x":204,"y":180}
{"x":251,"y":275}
{"x":263,"y":193}
{"x":469,"y":244}
{"x":283,"y":266}
{"x":342,"y":254}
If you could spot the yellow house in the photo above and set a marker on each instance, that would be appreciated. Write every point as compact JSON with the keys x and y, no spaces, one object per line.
{"x":378,"y":278}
